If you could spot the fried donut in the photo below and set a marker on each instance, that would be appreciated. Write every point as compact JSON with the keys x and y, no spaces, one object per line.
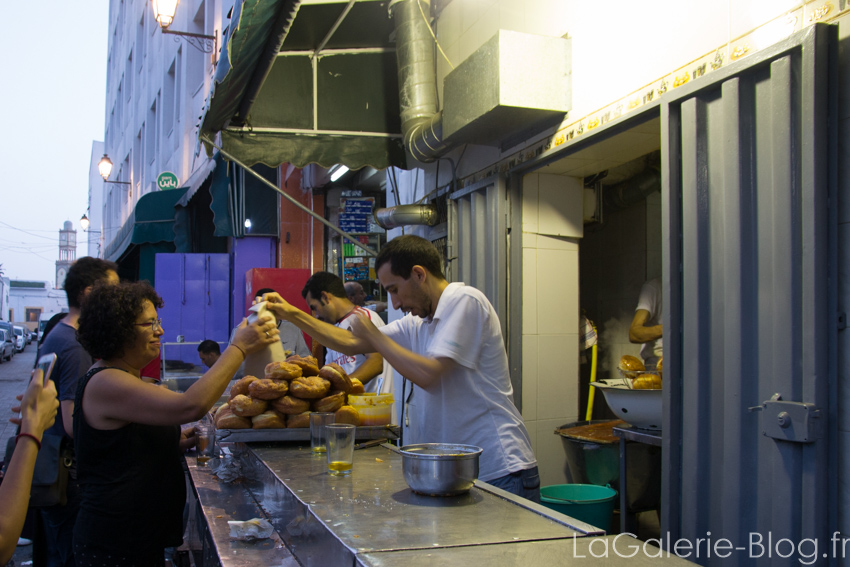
{"x":241,"y":386}
{"x":309,"y":365}
{"x":222,"y":408}
{"x":282,"y":371}
{"x":338,"y":377}
{"x":309,"y":387}
{"x":347,"y":414}
{"x":357,"y":387}
{"x":268,"y":420}
{"x":290,"y":406}
{"x":268,"y":389}
{"x":333,"y":402}
{"x":301,"y":420}
{"x":225,"y":419}
{"x":245,"y":406}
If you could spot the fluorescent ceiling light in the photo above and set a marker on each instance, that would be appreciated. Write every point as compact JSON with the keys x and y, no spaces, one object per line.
{"x":338,"y":171}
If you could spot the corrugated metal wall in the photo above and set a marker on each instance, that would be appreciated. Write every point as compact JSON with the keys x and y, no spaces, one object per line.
{"x":750,"y":300}
{"x":478,"y":241}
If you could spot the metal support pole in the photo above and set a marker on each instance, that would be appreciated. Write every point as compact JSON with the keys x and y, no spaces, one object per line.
{"x":352,"y":238}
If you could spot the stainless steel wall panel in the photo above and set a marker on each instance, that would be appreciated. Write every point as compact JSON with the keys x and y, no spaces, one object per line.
{"x":748,"y":297}
{"x":478,"y":241}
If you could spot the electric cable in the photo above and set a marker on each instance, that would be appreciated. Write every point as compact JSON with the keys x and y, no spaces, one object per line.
{"x":436,"y":41}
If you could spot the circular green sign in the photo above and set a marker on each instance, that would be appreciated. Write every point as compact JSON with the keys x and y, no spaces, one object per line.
{"x":167,"y":180}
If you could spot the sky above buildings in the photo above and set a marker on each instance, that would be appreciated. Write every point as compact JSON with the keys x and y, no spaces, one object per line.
{"x":52,"y":96}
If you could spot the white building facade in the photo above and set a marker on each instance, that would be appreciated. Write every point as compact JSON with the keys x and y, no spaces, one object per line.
{"x":155,"y":92}
{"x":29,"y":299}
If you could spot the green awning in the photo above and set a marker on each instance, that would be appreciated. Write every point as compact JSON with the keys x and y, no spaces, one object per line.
{"x":274,"y":102}
{"x":152,"y":220}
{"x":155,"y":216}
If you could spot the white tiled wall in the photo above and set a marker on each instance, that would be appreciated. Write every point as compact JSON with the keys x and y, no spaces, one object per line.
{"x":550,"y":315}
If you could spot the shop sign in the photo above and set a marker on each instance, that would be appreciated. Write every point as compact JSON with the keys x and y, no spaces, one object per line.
{"x":166,"y":180}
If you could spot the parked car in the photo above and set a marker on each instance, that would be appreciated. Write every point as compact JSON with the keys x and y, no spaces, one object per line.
{"x":43,"y":320}
{"x":29,"y":335}
{"x":20,"y":338}
{"x":10,"y":334}
{"x":7,"y":349}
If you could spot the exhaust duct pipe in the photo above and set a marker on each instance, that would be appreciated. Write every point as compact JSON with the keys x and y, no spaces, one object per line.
{"x":421,"y":124}
{"x":406,"y":215}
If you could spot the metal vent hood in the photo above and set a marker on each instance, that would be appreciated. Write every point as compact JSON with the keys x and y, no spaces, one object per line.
{"x":513,"y":84}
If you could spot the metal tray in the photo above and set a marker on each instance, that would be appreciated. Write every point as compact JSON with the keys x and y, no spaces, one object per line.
{"x":300,"y":434}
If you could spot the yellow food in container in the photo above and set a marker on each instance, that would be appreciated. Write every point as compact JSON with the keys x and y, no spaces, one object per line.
{"x":374,"y":409}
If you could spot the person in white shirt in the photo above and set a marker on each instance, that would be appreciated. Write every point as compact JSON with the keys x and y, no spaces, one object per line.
{"x":325,"y":294}
{"x":450,"y":346}
{"x":646,"y":324}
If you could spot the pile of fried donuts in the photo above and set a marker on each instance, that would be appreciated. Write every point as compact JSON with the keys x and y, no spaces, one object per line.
{"x":287,"y":394}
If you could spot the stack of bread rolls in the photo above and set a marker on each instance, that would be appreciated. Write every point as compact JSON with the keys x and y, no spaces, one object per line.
{"x":634,"y":370}
{"x":286,"y":395}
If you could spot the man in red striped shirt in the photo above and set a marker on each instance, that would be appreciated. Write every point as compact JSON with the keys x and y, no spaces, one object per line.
{"x":325,"y":293}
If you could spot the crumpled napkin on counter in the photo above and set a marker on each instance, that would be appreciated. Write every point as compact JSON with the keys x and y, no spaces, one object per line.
{"x":227,"y":468}
{"x":249,"y":530}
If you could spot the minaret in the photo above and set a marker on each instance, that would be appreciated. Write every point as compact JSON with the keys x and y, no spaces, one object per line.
{"x":67,"y":253}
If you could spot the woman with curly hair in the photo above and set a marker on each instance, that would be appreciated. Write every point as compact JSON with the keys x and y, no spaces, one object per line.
{"x":127,"y":432}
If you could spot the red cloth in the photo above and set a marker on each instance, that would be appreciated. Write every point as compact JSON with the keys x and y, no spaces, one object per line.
{"x":153,"y":369}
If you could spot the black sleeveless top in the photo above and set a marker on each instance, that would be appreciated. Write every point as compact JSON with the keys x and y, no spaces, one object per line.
{"x":133,"y":486}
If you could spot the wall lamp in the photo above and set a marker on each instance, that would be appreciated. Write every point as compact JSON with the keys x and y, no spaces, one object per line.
{"x":104,"y":166}
{"x":84,"y":222}
{"x":163,"y":11}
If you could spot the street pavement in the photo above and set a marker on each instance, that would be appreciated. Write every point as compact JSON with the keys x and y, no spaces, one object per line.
{"x":14,"y":375}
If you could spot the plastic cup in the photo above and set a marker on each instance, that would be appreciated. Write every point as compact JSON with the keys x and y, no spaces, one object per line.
{"x":340,"y":448}
{"x":205,"y":440}
{"x":318,"y":421}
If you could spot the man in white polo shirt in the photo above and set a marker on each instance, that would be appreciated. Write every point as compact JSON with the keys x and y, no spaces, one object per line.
{"x":450,"y":346}
{"x":325,"y":294}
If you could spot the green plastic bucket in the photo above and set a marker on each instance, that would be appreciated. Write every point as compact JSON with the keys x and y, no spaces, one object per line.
{"x":589,"y":503}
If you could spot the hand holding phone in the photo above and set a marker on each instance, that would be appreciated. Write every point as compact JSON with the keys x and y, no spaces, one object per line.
{"x":40,"y":398}
{"x":46,"y":364}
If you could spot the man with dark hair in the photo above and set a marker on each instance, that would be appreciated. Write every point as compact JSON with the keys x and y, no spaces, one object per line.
{"x":54,"y":543}
{"x":209,"y":351}
{"x":325,"y":294}
{"x":450,"y":347}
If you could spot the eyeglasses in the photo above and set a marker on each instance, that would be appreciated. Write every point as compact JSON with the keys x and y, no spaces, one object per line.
{"x":154,"y":325}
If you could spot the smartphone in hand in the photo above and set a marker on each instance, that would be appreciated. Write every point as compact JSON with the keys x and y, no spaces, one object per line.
{"x":46,"y":364}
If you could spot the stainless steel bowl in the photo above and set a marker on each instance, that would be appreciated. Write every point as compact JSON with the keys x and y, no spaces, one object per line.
{"x":440,"y":469}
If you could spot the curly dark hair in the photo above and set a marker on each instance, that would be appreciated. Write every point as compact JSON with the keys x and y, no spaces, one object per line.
{"x":85,"y":272}
{"x":108,"y":316}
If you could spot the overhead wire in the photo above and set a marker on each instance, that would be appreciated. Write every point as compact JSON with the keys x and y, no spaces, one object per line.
{"x":28,"y":232}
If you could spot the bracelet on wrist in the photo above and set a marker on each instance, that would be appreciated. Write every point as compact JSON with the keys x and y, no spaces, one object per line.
{"x":31,"y":436}
{"x":244,"y":354}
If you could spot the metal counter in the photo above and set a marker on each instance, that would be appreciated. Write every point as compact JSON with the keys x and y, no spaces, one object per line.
{"x":220,"y":502}
{"x":611,"y":551}
{"x":372,"y":517}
